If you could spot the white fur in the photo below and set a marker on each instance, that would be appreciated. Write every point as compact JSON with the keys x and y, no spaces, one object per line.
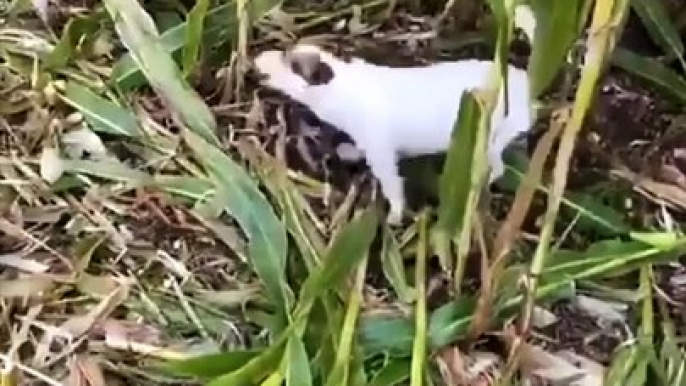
{"x":400,"y":112}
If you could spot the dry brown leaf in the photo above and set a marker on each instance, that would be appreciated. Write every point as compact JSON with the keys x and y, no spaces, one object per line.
{"x":84,"y":140}
{"x":115,"y":330}
{"x":604,"y":311}
{"x":671,"y":195}
{"x":98,"y":286}
{"x":509,"y":231}
{"x":85,"y":370}
{"x":542,"y":318}
{"x":230,"y":298}
{"x":51,"y":165}
{"x":452,"y":366}
{"x":21,"y":262}
{"x":79,"y":325}
{"x":557,"y":368}
{"x":125,"y":337}
{"x":479,"y":368}
{"x":26,"y":287}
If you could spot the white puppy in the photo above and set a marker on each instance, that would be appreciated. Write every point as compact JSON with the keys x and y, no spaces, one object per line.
{"x":394,"y":112}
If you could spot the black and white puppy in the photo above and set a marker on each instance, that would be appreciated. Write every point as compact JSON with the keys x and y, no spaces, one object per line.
{"x":392,"y":112}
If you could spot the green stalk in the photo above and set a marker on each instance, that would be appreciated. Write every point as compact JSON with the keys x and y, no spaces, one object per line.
{"x":419,"y":348}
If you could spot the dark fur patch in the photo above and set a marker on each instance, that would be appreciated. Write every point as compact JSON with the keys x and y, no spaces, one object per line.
{"x":312,"y":69}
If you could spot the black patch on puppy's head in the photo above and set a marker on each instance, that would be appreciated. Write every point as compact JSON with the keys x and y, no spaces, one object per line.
{"x":310,"y":67}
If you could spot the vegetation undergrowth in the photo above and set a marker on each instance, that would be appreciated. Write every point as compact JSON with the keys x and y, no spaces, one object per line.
{"x":163,"y":224}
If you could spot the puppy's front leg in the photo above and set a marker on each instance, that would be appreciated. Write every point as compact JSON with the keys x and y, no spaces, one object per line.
{"x":382,"y":160}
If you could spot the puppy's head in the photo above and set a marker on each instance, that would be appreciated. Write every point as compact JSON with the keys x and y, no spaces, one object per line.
{"x":293,"y":71}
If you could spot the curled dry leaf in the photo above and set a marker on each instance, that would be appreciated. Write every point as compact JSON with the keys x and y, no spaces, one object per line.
{"x":119,"y":333}
{"x":81,"y":141}
{"x":51,"y":165}
{"x":136,"y":338}
{"x":606,"y":312}
{"x":662,"y":193}
{"x":85,"y":370}
{"x":479,"y":368}
{"x":558,"y":369}
{"x":542,"y":318}
{"x":21,"y":262}
{"x":25,"y":287}
{"x":231,"y":298}
{"x":78,"y":325}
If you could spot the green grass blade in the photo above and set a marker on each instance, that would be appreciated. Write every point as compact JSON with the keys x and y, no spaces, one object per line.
{"x":394,"y":268}
{"x":348,"y":248}
{"x":661,"y":76}
{"x":212,"y":365}
{"x":297,"y":364}
{"x":660,"y":27}
{"x":102,"y":114}
{"x":557,"y":24}
{"x":340,"y":374}
{"x":394,"y":372}
{"x":194,"y":34}
{"x":455,"y":180}
{"x":110,"y":169}
{"x":419,"y":349}
{"x":190,"y":187}
{"x":79,"y":31}
{"x":594,"y":215}
{"x":244,"y":201}
{"x":256,"y":369}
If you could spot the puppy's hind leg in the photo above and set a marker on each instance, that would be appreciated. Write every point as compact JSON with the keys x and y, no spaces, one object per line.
{"x":383,"y":163}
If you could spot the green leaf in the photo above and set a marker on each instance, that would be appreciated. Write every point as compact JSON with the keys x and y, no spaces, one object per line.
{"x":455,"y":180}
{"x":651,"y":70}
{"x":556,"y":30}
{"x":297,"y":370}
{"x":77,"y":32}
{"x":595,"y":215}
{"x":194,"y":33}
{"x":394,"y":268}
{"x":660,"y":27}
{"x":103,"y":115}
{"x":190,"y":187}
{"x":664,"y":241}
{"x":386,"y":335}
{"x":630,"y":366}
{"x":256,"y":369}
{"x":393,"y":373}
{"x":348,"y":248}
{"x":603,"y":257}
{"x":212,"y":365}
{"x":110,"y":169}
{"x":243,"y":201}
{"x":592,"y":213}
{"x":139,"y":35}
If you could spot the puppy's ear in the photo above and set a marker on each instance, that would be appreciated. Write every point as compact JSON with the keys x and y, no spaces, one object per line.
{"x":310,"y":67}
